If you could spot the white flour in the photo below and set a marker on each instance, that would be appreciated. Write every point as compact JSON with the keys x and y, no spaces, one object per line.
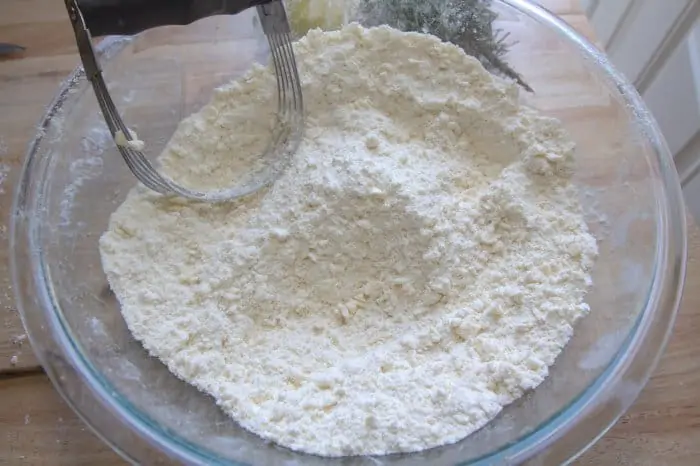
{"x":418,"y":267}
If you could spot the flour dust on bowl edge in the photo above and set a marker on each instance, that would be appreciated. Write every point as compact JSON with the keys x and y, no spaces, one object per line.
{"x":73,"y":179}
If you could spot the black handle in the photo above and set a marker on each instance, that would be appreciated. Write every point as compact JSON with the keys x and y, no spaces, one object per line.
{"x":126,"y":17}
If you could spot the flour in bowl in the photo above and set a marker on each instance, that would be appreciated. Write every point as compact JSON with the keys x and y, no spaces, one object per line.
{"x":419,"y":265}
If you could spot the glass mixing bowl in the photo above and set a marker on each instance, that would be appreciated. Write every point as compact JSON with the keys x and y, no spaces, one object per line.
{"x":73,"y":178}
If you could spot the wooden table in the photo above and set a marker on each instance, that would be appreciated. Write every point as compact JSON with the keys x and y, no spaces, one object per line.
{"x":36,"y":427}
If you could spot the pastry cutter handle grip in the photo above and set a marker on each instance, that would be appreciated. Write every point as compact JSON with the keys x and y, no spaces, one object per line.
{"x":127,"y":17}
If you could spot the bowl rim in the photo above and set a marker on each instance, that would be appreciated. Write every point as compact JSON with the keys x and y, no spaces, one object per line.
{"x":599,"y":402}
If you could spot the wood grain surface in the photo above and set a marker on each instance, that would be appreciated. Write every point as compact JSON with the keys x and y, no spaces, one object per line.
{"x":37,"y":427}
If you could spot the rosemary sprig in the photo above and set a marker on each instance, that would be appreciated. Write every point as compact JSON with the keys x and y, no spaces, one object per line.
{"x":466,"y":23}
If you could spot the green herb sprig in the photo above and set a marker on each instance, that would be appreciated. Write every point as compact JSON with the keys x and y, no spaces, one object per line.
{"x":466,"y":23}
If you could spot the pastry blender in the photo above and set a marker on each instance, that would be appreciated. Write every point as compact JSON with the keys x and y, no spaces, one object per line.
{"x":101,"y":17}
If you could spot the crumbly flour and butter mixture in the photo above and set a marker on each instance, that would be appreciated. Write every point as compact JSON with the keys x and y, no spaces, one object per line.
{"x":418,"y":267}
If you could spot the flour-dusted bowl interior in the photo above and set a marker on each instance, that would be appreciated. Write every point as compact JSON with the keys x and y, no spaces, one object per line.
{"x":73,"y":179}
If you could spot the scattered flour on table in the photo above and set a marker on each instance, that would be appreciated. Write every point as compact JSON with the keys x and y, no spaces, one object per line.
{"x":4,"y":172}
{"x":419,"y":265}
{"x":4,"y":168}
